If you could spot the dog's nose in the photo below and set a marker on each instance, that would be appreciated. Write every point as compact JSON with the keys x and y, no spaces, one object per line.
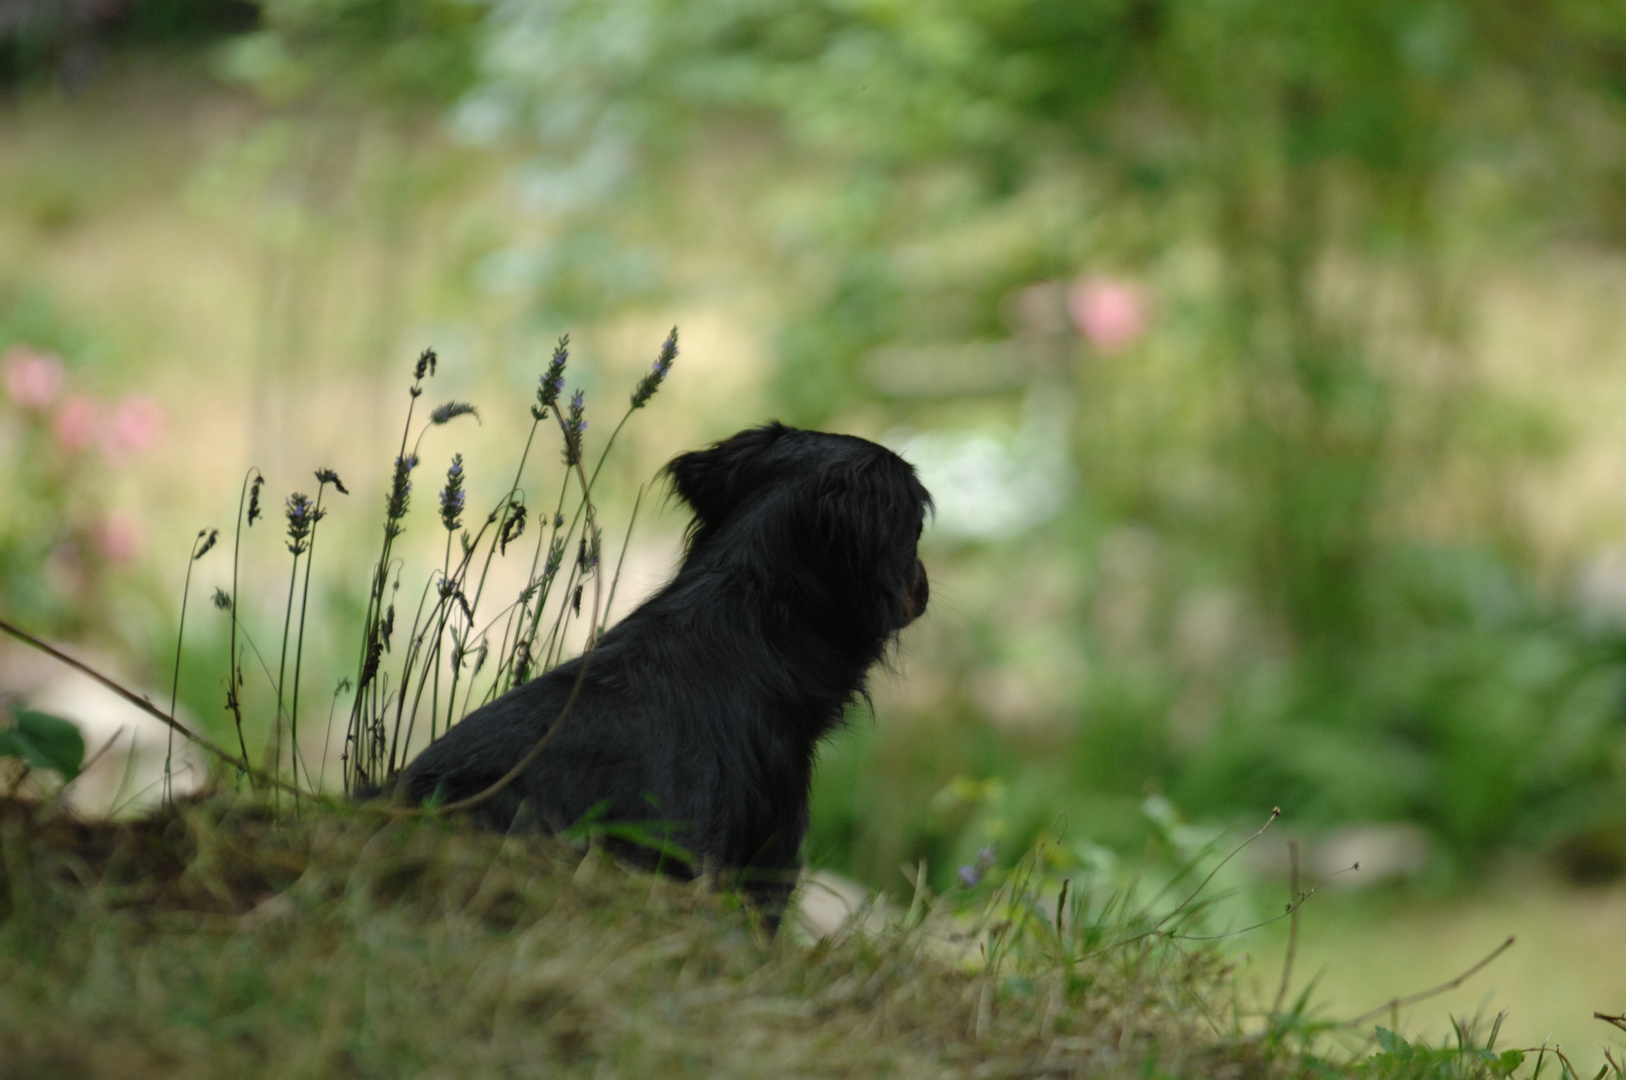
{"x":919,"y":592}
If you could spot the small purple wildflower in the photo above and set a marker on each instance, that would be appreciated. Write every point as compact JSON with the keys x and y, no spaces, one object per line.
{"x":971,"y":876}
{"x":254,"y":499}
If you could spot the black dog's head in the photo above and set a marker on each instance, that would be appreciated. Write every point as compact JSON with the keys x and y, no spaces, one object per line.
{"x":833,"y":520}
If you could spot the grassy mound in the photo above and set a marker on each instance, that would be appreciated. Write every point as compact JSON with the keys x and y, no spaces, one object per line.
{"x":221,"y":938}
{"x":218,"y":940}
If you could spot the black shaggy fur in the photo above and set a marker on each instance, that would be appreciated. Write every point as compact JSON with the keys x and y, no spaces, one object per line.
{"x":702,"y":709}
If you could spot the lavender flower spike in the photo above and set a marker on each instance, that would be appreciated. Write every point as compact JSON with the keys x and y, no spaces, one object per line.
{"x":575,"y":425}
{"x":452,"y":495}
{"x":553,"y":380}
{"x":302,"y":517}
{"x":400,"y":494}
{"x":663,"y":363}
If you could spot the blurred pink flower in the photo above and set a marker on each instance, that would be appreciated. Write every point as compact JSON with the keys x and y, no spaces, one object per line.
{"x":76,"y":422}
{"x":33,"y":379}
{"x":136,"y":425}
{"x":1109,"y":313}
{"x":118,"y":539}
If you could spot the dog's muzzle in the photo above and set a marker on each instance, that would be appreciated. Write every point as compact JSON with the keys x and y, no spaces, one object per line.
{"x":915,"y":596}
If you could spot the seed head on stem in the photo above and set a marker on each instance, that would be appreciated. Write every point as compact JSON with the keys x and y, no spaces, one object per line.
{"x":451,"y":411}
{"x":328,"y":476}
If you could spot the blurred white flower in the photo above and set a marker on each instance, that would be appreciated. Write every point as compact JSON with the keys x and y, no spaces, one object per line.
{"x":990,"y":484}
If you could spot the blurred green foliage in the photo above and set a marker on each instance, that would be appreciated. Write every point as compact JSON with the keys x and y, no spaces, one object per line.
{"x":405,"y":55}
{"x":1268,"y":557}
{"x":1305,"y":192}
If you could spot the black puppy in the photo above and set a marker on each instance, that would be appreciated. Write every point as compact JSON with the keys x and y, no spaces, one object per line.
{"x":702,"y":708}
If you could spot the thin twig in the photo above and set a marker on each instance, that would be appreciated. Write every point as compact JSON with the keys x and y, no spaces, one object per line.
{"x":141,"y":703}
{"x":1157,"y":928}
{"x":180,"y":640}
{"x":1275,"y":812}
{"x":1292,"y":925}
{"x":1396,"y":1003}
{"x":234,"y":666}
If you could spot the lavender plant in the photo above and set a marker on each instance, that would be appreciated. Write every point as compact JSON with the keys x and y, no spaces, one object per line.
{"x":383,"y":714}
{"x":451,"y":646}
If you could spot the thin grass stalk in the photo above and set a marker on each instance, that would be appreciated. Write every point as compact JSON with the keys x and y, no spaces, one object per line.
{"x":438,"y":616}
{"x":234,"y":672}
{"x":282,"y":663}
{"x":301,"y":523}
{"x":200,"y":547}
{"x":374,"y":614}
{"x":434,"y":698}
{"x":632,"y":520}
{"x":332,"y":711}
{"x":414,"y":649}
{"x":441,"y":415}
{"x":460,"y":652}
{"x":646,"y":388}
{"x":324,"y":477}
{"x":554,"y":644}
{"x":554,"y":524}
{"x":507,"y":508}
{"x":581,"y":675}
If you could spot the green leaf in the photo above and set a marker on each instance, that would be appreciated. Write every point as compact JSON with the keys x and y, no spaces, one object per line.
{"x":1390,"y":1043}
{"x":45,"y":742}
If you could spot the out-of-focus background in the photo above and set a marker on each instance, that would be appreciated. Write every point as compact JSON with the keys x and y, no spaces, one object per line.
{"x":1267,"y":363}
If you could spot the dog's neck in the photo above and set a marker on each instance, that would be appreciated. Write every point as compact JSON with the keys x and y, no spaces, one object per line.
{"x":820,"y":651}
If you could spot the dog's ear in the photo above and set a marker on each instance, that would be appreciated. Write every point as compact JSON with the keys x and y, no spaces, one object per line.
{"x":868,"y":514}
{"x":715,"y":480}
